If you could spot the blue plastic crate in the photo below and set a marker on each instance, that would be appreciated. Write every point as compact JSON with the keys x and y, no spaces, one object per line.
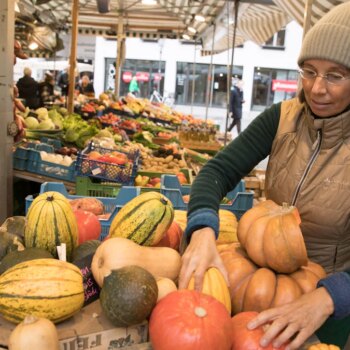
{"x":123,"y":174}
{"x":111,"y":205}
{"x":242,"y":200}
{"x":56,"y":144}
{"x":38,"y":166}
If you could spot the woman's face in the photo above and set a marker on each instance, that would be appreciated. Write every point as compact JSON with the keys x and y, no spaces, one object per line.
{"x":326,"y":99}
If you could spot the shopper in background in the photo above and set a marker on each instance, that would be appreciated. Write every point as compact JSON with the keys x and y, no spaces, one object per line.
{"x":46,"y":89}
{"x":134,"y":86}
{"x":63,"y":82}
{"x":85,"y":87}
{"x":307,"y":140}
{"x":28,"y":89}
{"x":236,"y":101}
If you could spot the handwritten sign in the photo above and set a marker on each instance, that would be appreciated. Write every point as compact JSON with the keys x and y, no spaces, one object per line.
{"x":91,"y":288}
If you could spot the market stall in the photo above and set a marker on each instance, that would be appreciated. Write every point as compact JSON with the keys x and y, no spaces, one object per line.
{"x":94,"y":260}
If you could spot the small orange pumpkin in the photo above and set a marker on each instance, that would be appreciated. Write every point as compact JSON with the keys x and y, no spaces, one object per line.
{"x":257,"y":289}
{"x":271,"y":235}
{"x":215,"y":285}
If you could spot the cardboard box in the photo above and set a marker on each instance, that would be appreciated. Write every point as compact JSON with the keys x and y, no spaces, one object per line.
{"x":89,"y":329}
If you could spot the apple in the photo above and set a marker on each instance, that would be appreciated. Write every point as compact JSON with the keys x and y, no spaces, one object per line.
{"x":89,"y":226}
{"x":154,"y":181}
{"x":182,"y":178}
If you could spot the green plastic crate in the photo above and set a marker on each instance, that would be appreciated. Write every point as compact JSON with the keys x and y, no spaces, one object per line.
{"x":86,"y":186}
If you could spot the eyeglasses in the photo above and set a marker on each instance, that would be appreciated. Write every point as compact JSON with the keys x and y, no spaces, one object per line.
{"x":333,"y":78}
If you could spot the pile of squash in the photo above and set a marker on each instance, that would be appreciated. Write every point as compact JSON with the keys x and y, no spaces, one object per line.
{"x":138,"y":264}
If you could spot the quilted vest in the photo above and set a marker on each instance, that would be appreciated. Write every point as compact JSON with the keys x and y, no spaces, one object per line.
{"x":309,"y":167}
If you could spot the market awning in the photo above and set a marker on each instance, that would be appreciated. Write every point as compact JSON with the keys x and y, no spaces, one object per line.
{"x":258,"y":22}
{"x":166,"y":19}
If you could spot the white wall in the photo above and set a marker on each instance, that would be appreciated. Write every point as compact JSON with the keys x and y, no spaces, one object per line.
{"x":250,"y":56}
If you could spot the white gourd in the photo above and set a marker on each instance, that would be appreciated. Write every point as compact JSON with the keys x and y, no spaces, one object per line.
{"x":34,"y":333}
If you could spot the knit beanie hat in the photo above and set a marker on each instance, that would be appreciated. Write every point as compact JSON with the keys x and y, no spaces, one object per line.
{"x":329,"y":38}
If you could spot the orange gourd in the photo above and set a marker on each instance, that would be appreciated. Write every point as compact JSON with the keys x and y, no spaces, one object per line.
{"x":271,"y":235}
{"x":215,"y":285}
{"x":256,"y":289}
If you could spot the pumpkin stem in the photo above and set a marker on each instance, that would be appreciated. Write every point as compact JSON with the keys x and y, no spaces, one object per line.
{"x":164,"y":201}
{"x":49,"y":198}
{"x":285,"y":206}
{"x":200,"y":312}
{"x":30,"y":319}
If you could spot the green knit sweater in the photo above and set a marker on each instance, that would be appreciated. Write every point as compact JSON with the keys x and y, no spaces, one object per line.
{"x":222,"y":173}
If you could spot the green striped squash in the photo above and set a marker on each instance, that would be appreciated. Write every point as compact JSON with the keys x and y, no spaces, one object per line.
{"x":48,"y":288}
{"x":50,"y":222}
{"x":144,"y":219}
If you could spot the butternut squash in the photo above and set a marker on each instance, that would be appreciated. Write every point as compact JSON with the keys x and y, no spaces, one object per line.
{"x":34,"y":333}
{"x":165,"y":286}
{"x":119,"y":252}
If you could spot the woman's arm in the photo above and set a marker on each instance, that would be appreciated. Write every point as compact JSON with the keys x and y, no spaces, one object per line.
{"x":220,"y":175}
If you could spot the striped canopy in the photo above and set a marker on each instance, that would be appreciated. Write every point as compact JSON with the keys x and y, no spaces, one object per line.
{"x":257,"y":22}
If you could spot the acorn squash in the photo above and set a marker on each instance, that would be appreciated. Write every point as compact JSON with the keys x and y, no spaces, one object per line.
{"x":128,"y":295}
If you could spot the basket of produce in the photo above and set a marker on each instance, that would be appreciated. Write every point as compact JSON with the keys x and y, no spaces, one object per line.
{"x":108,"y":164}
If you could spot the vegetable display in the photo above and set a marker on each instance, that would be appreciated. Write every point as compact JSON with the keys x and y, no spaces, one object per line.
{"x":256,"y":289}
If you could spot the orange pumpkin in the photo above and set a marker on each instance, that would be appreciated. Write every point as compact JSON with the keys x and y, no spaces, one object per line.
{"x":171,"y":237}
{"x":257,"y":289}
{"x":215,"y":285}
{"x":271,"y":235}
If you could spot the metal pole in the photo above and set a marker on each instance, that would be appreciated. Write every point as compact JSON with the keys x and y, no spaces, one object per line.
{"x":210,"y":75}
{"x":307,"y":16}
{"x":7,"y":16}
{"x":120,"y":38}
{"x":231,"y":70}
{"x":194,"y":76}
{"x":73,"y":56}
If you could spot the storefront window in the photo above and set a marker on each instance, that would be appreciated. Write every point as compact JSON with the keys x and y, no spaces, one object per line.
{"x":149,"y":75}
{"x":185,"y":78}
{"x":272,"y":86}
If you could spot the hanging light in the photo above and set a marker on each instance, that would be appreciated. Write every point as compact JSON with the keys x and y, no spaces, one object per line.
{"x":199,"y":18}
{"x":33,"y":45}
{"x":191,"y":30}
{"x":149,"y":2}
{"x":186,"y":36}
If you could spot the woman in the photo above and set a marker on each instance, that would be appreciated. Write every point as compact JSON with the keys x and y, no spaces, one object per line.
{"x":307,"y":140}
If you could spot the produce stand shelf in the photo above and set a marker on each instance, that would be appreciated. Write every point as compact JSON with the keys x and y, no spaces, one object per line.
{"x":26,"y":175}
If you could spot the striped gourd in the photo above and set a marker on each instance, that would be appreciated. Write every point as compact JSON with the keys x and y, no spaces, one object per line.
{"x":50,"y":222}
{"x":144,"y":219}
{"x":48,"y":288}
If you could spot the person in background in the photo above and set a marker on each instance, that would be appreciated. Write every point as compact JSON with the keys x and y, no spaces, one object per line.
{"x":236,"y":101}
{"x":134,"y":86}
{"x":28,"y":89}
{"x":46,"y":89}
{"x":63,"y":82}
{"x":307,"y":140}
{"x":86,"y":87}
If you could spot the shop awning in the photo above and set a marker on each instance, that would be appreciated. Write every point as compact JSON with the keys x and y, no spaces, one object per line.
{"x":258,"y":22}
{"x":166,"y":19}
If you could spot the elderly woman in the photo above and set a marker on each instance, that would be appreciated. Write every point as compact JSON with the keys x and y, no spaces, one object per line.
{"x":307,"y":140}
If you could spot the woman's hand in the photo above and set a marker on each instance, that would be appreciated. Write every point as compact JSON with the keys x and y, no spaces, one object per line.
{"x":200,"y":254}
{"x":297,"y":320}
